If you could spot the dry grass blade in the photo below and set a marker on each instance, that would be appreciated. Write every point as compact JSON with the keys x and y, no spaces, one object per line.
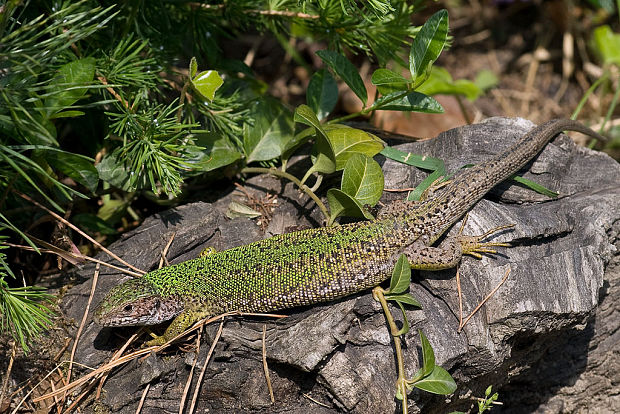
{"x":266,"y":368}
{"x":7,"y":375}
{"x":136,"y":354}
{"x":188,"y":383}
{"x":204,"y":366}
{"x":107,"y":367}
{"x":95,"y":242}
{"x":141,"y":403}
{"x":87,"y":258}
{"x":164,"y":252}
{"x":462,"y":325}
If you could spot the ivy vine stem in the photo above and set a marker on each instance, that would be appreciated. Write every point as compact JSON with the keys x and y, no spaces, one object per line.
{"x":401,"y":383}
{"x":290,"y":177}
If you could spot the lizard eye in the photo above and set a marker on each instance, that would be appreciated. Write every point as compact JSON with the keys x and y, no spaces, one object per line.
{"x":128,"y":308}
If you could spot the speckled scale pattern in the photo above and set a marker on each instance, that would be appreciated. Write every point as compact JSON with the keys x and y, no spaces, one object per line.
{"x":287,"y":270}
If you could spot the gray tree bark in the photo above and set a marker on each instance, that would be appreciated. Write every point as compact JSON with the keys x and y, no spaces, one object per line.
{"x":547,"y":340}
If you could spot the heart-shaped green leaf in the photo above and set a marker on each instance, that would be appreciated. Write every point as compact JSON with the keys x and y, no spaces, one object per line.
{"x":340,"y":203}
{"x":206,"y":83}
{"x":271,"y":132}
{"x":212,"y":151}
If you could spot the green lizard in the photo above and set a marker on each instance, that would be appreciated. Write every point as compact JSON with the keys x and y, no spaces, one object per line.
{"x":323,"y":264}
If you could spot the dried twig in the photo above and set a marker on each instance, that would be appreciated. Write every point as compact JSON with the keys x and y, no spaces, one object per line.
{"x":204,"y":366}
{"x":83,"y":322}
{"x":462,"y":325}
{"x":266,"y":368}
{"x":95,"y":242}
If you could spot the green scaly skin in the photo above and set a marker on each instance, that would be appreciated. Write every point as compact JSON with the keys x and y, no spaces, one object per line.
{"x":323,"y":264}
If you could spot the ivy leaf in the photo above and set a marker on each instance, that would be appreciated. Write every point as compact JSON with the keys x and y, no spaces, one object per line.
{"x":70,"y":84}
{"x":340,"y":203}
{"x":387,"y":77}
{"x":437,"y":382}
{"x":428,"y":43}
{"x":206,"y":83}
{"x":322,"y":93}
{"x":411,"y":102}
{"x":348,"y":141}
{"x":346,"y":71}
{"x":401,"y":276}
{"x":272,"y":129}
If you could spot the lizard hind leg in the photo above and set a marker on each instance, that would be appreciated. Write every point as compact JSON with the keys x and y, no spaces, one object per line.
{"x":474,"y":245}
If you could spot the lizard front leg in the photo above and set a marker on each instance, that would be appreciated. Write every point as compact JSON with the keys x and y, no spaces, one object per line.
{"x":184,"y":320}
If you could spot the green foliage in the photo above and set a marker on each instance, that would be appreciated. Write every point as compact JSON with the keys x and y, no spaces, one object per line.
{"x":22,"y":310}
{"x":121,"y":85}
{"x":430,"y":377}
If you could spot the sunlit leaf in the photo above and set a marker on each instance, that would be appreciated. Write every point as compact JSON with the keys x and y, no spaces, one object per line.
{"x":347,"y":142}
{"x":207,"y":83}
{"x":438,"y":382}
{"x":401,"y":276}
{"x":362,"y":179}
{"x":428,"y":43}
{"x":340,"y":203}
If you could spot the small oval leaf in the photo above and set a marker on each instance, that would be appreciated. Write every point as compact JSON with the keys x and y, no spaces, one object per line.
{"x":405,"y":298}
{"x":387,"y":77}
{"x":322,"y":93}
{"x":428,"y":355}
{"x":428,"y":43}
{"x":340,"y":203}
{"x":411,"y":102}
{"x":438,"y":382}
{"x":346,"y":71}
{"x":348,"y":141}
{"x":401,"y":276}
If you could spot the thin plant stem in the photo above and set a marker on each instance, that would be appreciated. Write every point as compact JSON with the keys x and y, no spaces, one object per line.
{"x":290,"y":177}
{"x":378,"y":295}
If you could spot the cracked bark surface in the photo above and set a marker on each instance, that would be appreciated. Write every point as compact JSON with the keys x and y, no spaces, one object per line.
{"x":548,"y":339}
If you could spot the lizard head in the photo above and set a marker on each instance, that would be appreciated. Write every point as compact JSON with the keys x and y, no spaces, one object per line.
{"x":135,"y":302}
